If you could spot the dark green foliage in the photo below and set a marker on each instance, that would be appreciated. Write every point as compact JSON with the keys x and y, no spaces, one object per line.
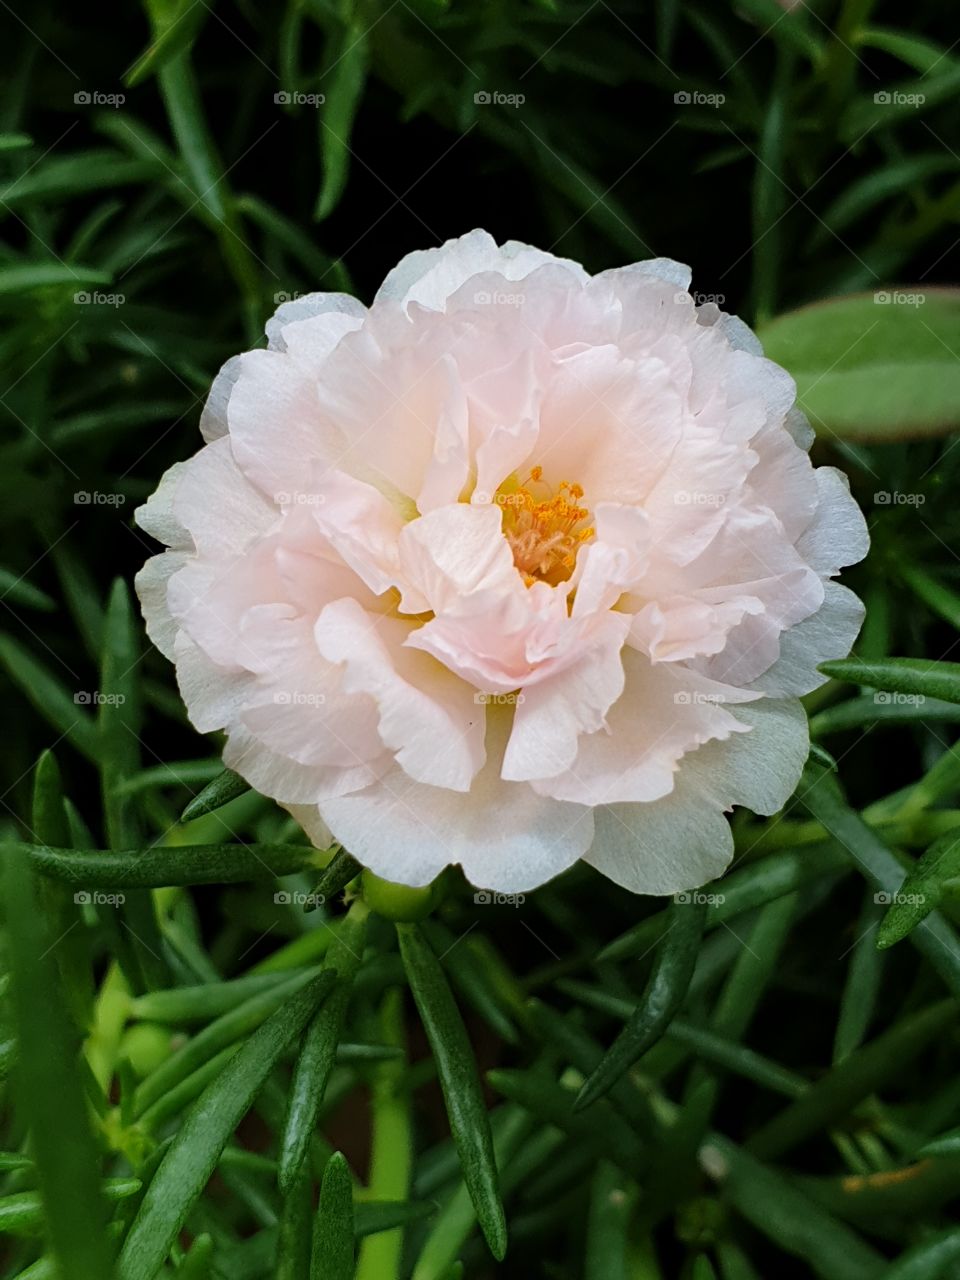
{"x":178,"y":1067}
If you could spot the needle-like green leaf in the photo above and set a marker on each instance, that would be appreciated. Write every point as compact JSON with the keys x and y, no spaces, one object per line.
{"x":460,"y":1081}
{"x":195,"y":1150}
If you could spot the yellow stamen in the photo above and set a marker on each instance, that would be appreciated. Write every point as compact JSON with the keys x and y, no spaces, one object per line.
{"x":543,"y":532}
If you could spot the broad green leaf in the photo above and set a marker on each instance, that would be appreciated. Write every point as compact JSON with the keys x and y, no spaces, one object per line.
{"x":878,"y":366}
{"x":195,"y":1150}
{"x":457,"y":1070}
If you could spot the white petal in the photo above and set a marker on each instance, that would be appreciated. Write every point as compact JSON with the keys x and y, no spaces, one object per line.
{"x":553,"y":715}
{"x":683,"y":840}
{"x":837,"y":535}
{"x":430,"y":276}
{"x":151,"y":587}
{"x":157,"y":516}
{"x":503,"y":835}
{"x":427,"y":716}
{"x":828,"y":634}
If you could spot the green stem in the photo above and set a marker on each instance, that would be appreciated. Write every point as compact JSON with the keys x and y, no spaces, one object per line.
{"x":392,"y":1148}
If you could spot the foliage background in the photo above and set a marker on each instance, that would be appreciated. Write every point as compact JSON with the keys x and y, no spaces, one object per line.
{"x":200,"y":199}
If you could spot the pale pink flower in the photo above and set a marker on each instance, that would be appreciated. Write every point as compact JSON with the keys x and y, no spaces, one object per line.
{"x":516,"y":566}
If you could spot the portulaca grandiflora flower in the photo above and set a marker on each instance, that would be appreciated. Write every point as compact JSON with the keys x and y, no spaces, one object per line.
{"x":514,"y":567}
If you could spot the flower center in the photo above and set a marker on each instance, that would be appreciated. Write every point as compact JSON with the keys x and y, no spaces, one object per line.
{"x":544,"y":528}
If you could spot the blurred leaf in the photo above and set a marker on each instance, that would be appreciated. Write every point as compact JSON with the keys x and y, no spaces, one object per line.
{"x":50,"y":1089}
{"x":874,"y":366}
{"x":343,"y":87}
{"x":184,"y":25}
